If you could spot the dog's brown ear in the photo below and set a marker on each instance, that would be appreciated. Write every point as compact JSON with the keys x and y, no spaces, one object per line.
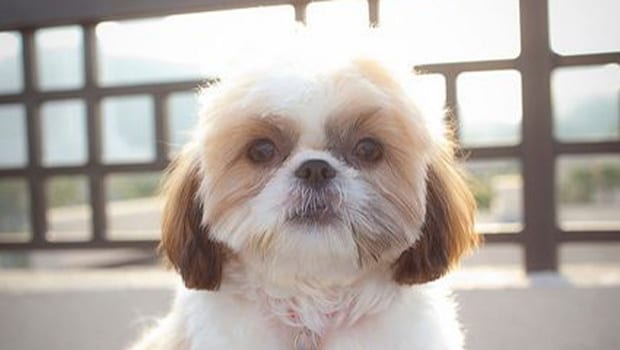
{"x":448,"y":229}
{"x":185,"y":241}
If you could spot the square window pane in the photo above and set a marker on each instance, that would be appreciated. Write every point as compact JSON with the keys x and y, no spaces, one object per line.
{"x":189,"y":46}
{"x":128,"y":129}
{"x":63,"y":126}
{"x":489,"y":105}
{"x":11,"y":68}
{"x":59,"y":57}
{"x":13,"y":148}
{"x":14,"y":211}
{"x":584,"y":26}
{"x":588,"y":190}
{"x":338,"y":17}
{"x":133,"y":207}
{"x":586,"y":103}
{"x":68,"y":208}
{"x":453,"y":30}
{"x":183,"y":116}
{"x":498,"y":188}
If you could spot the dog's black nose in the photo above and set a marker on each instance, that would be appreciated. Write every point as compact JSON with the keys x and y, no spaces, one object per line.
{"x":315,"y":172}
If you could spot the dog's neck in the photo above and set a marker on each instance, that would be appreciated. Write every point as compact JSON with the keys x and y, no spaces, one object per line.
{"x":313,"y":309}
{"x":312,"y":313}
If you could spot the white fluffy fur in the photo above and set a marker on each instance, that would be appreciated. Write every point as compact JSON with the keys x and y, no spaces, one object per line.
{"x":403,"y":318}
{"x":314,"y":277}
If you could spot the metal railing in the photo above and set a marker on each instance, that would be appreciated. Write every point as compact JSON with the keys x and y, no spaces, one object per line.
{"x":538,"y":150}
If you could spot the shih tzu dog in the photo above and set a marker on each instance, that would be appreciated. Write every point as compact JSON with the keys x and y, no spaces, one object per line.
{"x":310,"y":211}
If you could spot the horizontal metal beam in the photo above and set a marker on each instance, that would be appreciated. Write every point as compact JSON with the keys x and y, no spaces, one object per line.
{"x":494,"y":238}
{"x":19,"y":14}
{"x":587,"y":147}
{"x":589,"y":236}
{"x":585,"y":60}
{"x":44,"y":245}
{"x":490,"y":152}
{"x":87,"y":169}
{"x":454,"y":68}
{"x":150,"y":89}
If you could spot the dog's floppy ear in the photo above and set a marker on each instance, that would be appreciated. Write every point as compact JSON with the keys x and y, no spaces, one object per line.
{"x":185,"y":241}
{"x":448,"y":229}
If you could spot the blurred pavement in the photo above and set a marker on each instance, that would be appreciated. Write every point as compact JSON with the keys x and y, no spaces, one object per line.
{"x":501,"y":307}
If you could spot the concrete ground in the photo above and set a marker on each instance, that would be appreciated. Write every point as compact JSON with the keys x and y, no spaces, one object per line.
{"x":500,"y":307}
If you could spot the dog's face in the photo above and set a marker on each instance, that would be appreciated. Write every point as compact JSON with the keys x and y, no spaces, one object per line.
{"x":315,"y":172}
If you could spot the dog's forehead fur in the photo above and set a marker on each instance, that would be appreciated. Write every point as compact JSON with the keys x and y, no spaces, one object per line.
{"x":310,"y":104}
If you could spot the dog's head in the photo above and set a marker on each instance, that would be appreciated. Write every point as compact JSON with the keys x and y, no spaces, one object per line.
{"x":315,"y":171}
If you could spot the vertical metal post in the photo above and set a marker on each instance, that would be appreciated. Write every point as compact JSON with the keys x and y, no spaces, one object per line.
{"x":93,"y":123}
{"x":535,"y":63}
{"x":300,"y":11}
{"x":452,"y":116}
{"x":161,"y":127}
{"x":35,"y":180}
{"x":373,"y":12}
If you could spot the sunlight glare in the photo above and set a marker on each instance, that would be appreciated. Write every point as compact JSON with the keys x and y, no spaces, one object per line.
{"x":340,"y":18}
{"x":199,"y":44}
{"x":453,"y":30}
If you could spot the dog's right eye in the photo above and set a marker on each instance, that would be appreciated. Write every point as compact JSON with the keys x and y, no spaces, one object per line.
{"x":262,"y":151}
{"x":368,"y":150}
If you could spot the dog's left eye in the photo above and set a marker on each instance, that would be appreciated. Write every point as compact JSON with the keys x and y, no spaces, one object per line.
{"x":262,"y":151}
{"x":368,"y":150}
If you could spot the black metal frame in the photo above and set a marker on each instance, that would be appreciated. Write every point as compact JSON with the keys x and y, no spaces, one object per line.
{"x":537,"y":151}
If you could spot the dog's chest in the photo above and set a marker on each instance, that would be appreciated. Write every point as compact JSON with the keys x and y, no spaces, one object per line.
{"x":407,"y":324}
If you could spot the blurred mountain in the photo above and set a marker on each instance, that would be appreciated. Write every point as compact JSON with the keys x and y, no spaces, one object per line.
{"x":597,"y":118}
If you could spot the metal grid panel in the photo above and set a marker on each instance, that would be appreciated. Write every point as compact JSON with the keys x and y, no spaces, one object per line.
{"x":537,"y":151}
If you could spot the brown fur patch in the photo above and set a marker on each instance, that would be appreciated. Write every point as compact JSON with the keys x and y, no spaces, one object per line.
{"x":185,"y":241}
{"x":448,"y":229}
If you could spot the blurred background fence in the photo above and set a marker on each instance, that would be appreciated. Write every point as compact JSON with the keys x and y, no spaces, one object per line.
{"x":96,"y":96}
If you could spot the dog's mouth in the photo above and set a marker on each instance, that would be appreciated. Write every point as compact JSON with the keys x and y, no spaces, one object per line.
{"x":315,"y":209}
{"x":320,"y":214}
{"x":312,"y":207}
